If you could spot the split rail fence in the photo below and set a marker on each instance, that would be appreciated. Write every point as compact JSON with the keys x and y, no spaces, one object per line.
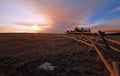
{"x":87,"y":40}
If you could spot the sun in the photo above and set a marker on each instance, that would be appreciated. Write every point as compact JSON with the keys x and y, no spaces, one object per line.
{"x":35,"y":27}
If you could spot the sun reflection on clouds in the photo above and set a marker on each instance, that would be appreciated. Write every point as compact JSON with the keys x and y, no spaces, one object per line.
{"x":35,"y":23}
{"x":53,"y":16}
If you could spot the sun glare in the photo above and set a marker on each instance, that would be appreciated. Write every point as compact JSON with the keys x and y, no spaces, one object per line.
{"x":35,"y":27}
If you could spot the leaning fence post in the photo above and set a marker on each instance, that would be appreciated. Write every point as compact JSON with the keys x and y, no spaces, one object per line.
{"x":116,"y":68}
{"x":110,"y":69}
{"x":103,"y":39}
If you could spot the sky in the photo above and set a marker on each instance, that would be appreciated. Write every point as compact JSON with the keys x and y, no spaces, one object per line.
{"x":58,"y":15}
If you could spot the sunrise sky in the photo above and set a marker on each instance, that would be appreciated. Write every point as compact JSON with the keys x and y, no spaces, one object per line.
{"x":58,"y":15}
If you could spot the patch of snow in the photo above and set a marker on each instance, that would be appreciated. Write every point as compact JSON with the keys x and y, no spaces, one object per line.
{"x":47,"y":66}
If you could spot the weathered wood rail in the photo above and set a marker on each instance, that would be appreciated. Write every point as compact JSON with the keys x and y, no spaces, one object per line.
{"x":114,"y":70}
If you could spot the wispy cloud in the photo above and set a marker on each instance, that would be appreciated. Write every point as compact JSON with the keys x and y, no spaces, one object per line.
{"x":42,"y":26}
{"x":15,"y":29}
{"x":64,"y":13}
{"x":117,"y":9}
{"x":106,"y":25}
{"x":58,"y":15}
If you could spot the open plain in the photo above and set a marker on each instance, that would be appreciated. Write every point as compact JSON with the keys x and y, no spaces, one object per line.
{"x":22,"y":53}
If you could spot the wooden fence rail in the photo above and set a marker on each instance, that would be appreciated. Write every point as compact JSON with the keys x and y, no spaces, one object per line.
{"x":114,"y":71}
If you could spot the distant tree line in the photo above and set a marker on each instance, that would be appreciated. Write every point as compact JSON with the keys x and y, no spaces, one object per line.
{"x":81,"y":29}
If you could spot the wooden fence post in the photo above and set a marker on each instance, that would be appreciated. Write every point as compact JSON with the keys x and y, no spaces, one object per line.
{"x":116,"y":68}
{"x":103,"y":39}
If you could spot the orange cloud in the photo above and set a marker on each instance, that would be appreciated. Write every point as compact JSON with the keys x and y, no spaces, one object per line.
{"x":7,"y":29}
{"x":15,"y":29}
{"x":63,"y":13}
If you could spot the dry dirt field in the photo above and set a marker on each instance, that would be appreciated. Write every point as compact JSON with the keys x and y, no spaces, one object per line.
{"x":22,"y":54}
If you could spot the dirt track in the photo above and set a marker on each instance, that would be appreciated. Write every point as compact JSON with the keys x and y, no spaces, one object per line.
{"x":21,"y":54}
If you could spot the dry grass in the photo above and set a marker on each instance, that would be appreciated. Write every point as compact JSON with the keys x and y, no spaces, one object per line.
{"x":21,"y":54}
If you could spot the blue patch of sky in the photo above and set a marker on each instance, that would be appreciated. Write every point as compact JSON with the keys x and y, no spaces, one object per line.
{"x":104,"y":12}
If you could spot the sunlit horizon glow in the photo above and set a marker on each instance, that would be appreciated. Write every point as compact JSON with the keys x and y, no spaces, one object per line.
{"x":58,"y":15}
{"x":35,"y":27}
